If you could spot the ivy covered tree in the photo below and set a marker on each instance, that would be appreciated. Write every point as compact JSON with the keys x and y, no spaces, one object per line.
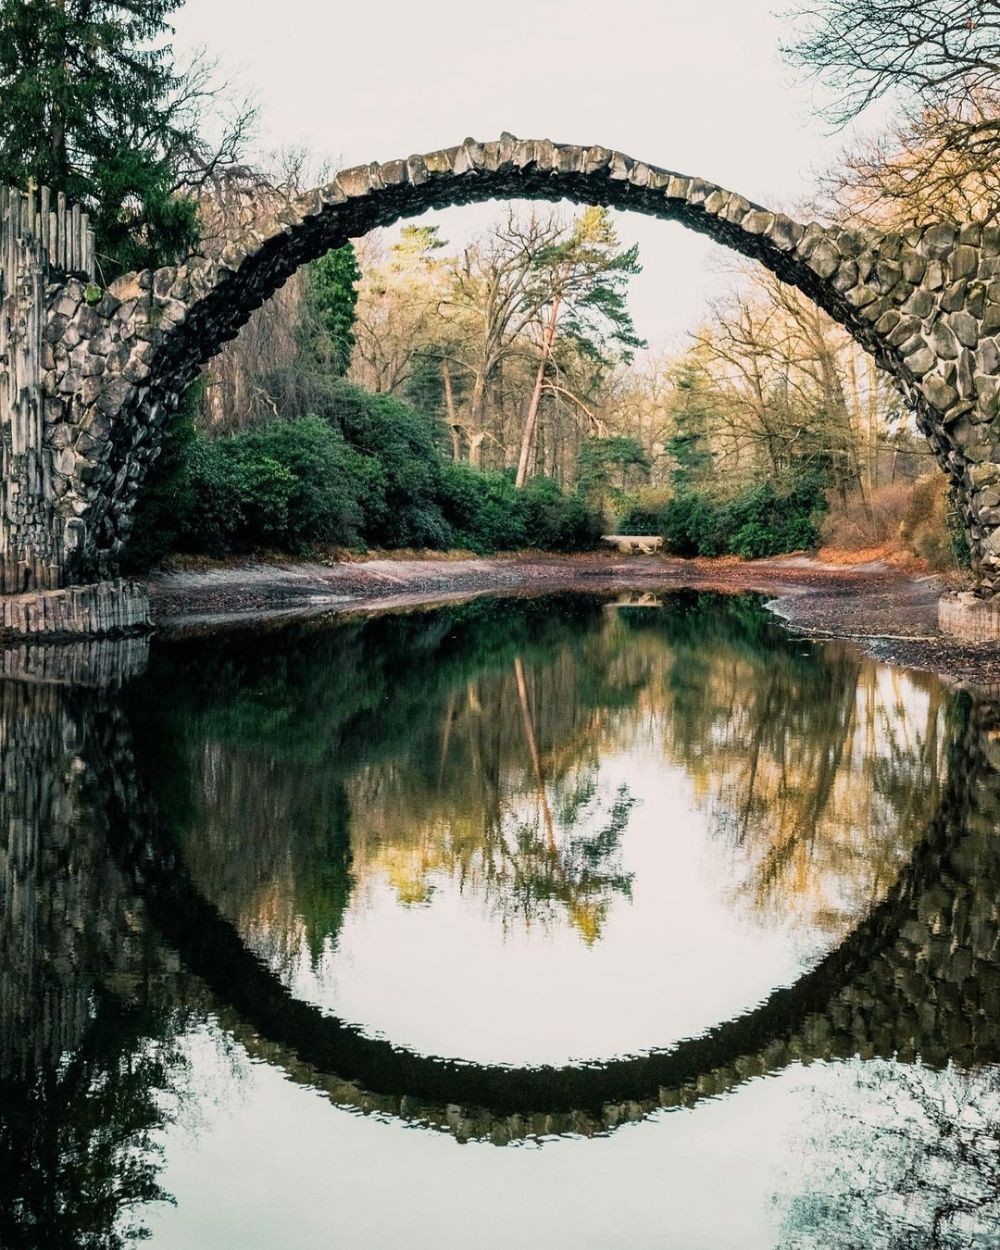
{"x":93,"y":106}
{"x":331,"y":308}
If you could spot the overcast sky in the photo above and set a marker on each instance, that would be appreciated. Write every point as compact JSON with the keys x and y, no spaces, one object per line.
{"x":693,"y":85}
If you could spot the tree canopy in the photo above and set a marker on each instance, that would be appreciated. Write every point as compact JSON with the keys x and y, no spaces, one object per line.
{"x":94,"y":106}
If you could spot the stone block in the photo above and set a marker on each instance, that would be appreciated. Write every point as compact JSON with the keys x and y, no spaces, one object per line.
{"x":965,"y":328}
{"x":938,"y":240}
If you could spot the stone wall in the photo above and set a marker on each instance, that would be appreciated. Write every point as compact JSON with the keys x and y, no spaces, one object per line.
{"x":110,"y":608}
{"x":39,"y":246}
{"x":969,"y":617}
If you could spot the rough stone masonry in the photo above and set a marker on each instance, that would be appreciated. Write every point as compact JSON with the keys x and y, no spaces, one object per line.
{"x":89,"y":376}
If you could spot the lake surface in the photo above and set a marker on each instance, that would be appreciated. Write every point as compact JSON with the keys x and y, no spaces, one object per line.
{"x":568,"y":920}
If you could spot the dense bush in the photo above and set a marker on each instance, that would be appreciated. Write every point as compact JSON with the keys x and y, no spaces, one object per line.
{"x":917,"y":517}
{"x":641,"y":511}
{"x":479,"y":507}
{"x":869,"y":520}
{"x":690,"y":524}
{"x":486,"y":513}
{"x":366,"y":470}
{"x":403,"y":507}
{"x":553,"y":520}
{"x":764,"y":519}
{"x":290,"y":485}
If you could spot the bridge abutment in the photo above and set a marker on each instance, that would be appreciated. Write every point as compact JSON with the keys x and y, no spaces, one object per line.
{"x":47,"y":255}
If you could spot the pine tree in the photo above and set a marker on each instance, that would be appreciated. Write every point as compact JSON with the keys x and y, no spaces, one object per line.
{"x":91,"y":107}
{"x":583,"y":279}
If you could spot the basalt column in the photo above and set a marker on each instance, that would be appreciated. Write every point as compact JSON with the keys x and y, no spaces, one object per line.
{"x":43,"y":243}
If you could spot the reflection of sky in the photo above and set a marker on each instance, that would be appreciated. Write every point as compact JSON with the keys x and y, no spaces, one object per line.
{"x":275,"y":1164}
{"x":682,"y":954}
{"x":296,"y":1171}
{"x":447,"y":979}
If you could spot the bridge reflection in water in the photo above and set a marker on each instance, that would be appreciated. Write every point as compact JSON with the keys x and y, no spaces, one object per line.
{"x":175,"y":844}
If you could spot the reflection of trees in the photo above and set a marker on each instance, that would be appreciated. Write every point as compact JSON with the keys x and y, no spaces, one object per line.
{"x":87,"y":1058}
{"x":912,"y":1161}
{"x":514,"y":809}
{"x":816,"y":763}
{"x":457,"y":739}
{"x":467,"y":743}
{"x":78,"y":1149}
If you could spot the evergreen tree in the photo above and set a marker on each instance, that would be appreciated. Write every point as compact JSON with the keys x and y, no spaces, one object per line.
{"x":333,"y":299}
{"x":92,"y":107}
{"x":688,"y":447}
{"x":607,"y":467}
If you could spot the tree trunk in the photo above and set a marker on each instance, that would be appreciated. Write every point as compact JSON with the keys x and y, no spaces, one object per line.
{"x":449,"y":403}
{"x":536,"y":759}
{"x":475,"y":438}
{"x":531,"y":419}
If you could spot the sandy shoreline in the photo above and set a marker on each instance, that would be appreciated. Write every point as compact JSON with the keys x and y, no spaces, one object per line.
{"x":888,"y":612}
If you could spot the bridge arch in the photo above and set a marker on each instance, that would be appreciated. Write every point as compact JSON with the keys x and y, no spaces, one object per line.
{"x":922,"y":303}
{"x":89,"y":377}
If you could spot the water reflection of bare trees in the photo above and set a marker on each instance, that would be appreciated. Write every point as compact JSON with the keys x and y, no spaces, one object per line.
{"x":469,"y":745}
{"x":907,"y":1159}
{"x":819,"y":776}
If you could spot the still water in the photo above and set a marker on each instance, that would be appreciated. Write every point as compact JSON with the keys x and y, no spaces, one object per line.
{"x":569,"y":920}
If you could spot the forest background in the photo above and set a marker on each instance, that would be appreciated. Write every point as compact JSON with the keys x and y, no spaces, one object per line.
{"x":408,"y":392}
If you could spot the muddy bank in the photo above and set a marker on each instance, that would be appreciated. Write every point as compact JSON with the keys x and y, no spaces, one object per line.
{"x":892,"y":614}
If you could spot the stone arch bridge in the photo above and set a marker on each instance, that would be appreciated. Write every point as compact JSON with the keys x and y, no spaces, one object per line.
{"x":89,"y":376}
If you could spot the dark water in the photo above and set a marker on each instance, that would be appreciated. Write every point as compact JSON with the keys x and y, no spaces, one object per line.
{"x":558,"y":920}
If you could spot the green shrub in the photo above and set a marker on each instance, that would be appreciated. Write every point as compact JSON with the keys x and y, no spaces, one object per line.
{"x":366,"y":470}
{"x":763,"y":519}
{"x":554,"y":520}
{"x":766,"y":521}
{"x":228,"y":516}
{"x":691,"y":525}
{"x":641,"y":512}
{"x":291,"y":485}
{"x":404,"y":510}
{"x":481,"y":509}
{"x":487,"y":513}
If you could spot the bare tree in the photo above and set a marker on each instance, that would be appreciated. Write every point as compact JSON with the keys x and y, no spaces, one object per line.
{"x":941,"y":58}
{"x":930,"y":50}
{"x":244,"y":383}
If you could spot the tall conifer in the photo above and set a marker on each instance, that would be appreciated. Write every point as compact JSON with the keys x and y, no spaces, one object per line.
{"x":90,"y":108}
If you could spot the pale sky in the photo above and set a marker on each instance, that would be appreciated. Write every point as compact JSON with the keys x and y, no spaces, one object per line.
{"x":693,"y":85}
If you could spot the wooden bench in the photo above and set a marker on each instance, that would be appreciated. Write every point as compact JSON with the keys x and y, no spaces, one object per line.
{"x":627,"y":544}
